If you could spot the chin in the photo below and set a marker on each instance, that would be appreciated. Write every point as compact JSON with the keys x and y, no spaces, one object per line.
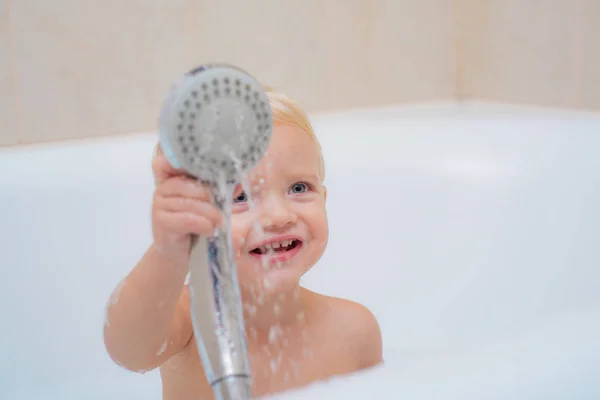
{"x":276,"y":278}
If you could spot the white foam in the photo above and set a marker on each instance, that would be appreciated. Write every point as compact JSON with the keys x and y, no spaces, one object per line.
{"x":558,"y":360}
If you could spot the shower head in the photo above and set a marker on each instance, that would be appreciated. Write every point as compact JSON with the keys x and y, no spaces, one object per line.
{"x":215,"y":125}
{"x":215,"y":122}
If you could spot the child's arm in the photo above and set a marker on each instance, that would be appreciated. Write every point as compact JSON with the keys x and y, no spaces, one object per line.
{"x":148,"y":314}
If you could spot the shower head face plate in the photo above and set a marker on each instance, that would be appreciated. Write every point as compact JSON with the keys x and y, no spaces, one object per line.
{"x":216,"y":122}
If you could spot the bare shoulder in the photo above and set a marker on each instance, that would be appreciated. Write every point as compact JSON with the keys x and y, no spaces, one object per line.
{"x":357,"y":326}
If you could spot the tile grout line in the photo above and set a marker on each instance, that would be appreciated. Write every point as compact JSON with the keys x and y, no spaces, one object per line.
{"x":15,"y":74}
{"x":330,"y":53}
{"x":578,"y":56}
{"x":458,"y":49}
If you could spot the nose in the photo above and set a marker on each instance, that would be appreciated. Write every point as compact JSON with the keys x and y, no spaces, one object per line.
{"x":277,"y":214}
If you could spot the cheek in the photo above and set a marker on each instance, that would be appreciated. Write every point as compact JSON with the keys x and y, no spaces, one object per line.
{"x":323,"y":235}
{"x":319,"y":224}
{"x":241,"y":225}
{"x":238,"y":234}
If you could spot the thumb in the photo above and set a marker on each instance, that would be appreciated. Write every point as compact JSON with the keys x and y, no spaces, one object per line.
{"x":162,"y":169}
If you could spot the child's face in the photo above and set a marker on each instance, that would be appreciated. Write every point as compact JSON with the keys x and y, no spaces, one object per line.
{"x":289,"y":206}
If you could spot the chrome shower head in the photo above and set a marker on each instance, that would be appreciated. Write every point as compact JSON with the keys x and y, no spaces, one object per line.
{"x":215,"y":125}
{"x":216,"y":121}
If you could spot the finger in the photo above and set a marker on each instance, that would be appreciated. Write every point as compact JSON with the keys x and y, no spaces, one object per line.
{"x":185,"y":223}
{"x":163,"y":170}
{"x":183,"y":186}
{"x":190,"y":205}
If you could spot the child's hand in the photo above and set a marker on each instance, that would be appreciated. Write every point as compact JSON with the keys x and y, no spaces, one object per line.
{"x":181,"y":207}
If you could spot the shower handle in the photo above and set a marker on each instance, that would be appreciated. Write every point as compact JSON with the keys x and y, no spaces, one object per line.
{"x":215,"y":311}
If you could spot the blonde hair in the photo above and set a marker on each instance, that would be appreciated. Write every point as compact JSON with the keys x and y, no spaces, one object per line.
{"x":287,"y":112}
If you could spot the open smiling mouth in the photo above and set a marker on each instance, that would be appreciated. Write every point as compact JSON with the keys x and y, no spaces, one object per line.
{"x":278,"y":247}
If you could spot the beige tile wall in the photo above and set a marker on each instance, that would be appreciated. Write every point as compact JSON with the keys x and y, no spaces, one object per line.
{"x":88,"y":68}
{"x":9,"y":133}
{"x":590,"y":54}
{"x":79,"y":68}
{"x":98,"y":67}
{"x":390,"y":51}
{"x":542,"y":52}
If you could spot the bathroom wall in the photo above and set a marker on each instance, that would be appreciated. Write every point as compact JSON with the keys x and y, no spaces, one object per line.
{"x":80,"y":68}
{"x":542,"y":52}
{"x":8,"y":122}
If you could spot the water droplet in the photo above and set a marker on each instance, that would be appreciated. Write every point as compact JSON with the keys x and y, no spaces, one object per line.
{"x":106,"y":318}
{"x":162,"y":348}
{"x":261,"y":181}
{"x":114,"y":298}
{"x":277,"y":309}
{"x":267,"y":350}
{"x":239,"y":119}
{"x":275,"y":363}
{"x":274,"y":333}
{"x":253,"y":291}
{"x":300,"y":316}
{"x":273,"y":366}
{"x":295,"y":368}
{"x":253,"y":333}
{"x":305,"y":335}
{"x":251,"y":308}
{"x":267,"y":283}
{"x":308,"y":354}
{"x":265,"y":264}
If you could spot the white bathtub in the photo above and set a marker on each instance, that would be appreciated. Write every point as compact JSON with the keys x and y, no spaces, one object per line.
{"x":471,"y":231}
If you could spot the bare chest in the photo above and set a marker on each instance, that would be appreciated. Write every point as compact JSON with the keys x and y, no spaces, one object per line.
{"x":287,"y":362}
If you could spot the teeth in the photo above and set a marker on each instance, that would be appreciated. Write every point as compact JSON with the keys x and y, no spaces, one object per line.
{"x":276,"y":245}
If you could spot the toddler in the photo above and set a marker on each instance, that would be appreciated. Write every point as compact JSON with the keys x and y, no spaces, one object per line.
{"x":294,"y":336}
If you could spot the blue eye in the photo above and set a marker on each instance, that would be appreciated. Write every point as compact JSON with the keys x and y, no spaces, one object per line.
{"x":240,"y":198}
{"x":299,"y":187}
